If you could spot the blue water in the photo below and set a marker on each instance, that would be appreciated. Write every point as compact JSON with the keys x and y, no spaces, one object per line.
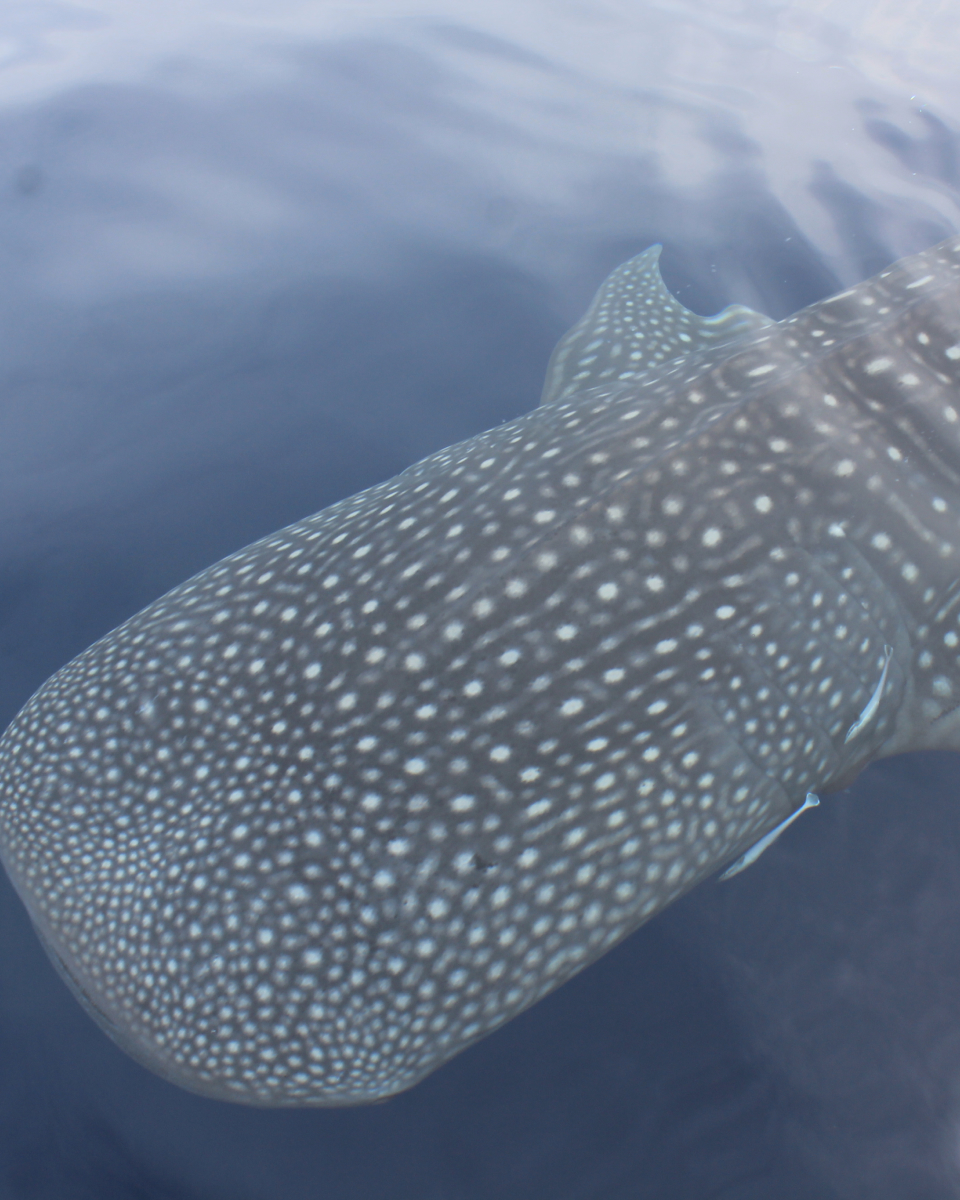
{"x":256,"y":260}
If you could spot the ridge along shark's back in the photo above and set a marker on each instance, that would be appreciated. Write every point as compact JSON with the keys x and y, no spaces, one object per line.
{"x":325,"y":814}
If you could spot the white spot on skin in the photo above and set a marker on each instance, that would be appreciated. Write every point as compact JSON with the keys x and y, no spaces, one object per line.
{"x":876,"y":365}
{"x":538,"y":808}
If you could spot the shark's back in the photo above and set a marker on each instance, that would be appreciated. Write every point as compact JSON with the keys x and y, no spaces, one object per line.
{"x":344,"y":802}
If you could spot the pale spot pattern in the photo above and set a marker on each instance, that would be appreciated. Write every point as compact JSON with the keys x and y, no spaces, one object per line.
{"x":346,"y":801}
{"x":635,"y":324}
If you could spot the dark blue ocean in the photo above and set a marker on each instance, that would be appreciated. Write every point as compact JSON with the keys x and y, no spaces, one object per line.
{"x":255,"y":258}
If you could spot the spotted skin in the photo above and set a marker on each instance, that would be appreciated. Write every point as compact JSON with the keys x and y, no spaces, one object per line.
{"x":341,"y":804}
{"x":633,"y":324}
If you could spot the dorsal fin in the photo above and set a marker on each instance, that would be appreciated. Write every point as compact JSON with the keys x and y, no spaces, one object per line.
{"x":634,"y":323}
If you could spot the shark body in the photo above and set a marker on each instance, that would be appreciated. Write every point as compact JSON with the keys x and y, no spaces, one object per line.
{"x":346,"y":801}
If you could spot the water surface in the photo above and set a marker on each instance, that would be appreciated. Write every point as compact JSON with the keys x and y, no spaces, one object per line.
{"x":257,"y":258}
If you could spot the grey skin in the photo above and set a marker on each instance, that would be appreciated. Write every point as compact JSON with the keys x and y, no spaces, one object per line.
{"x":327,"y":813}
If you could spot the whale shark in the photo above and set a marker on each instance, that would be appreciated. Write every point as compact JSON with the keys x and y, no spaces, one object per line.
{"x":343,"y":803}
